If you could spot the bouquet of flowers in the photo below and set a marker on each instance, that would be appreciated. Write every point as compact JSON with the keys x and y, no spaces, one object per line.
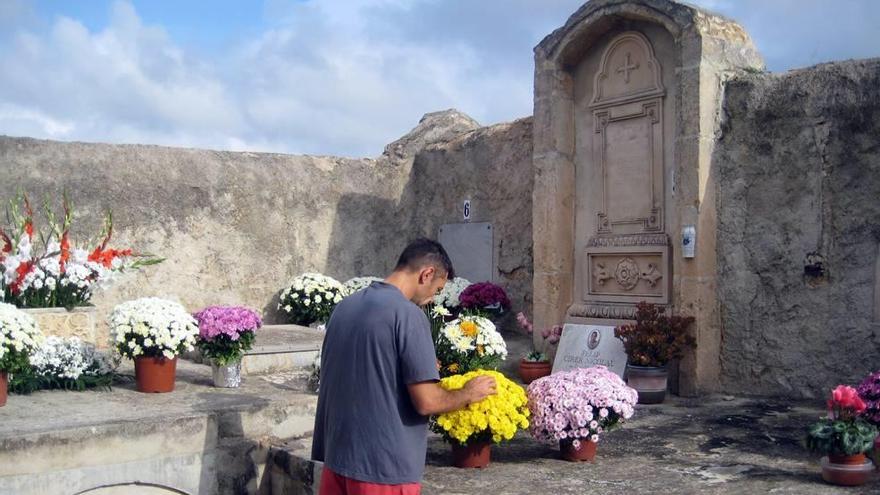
{"x":484,"y":297}
{"x":226,"y":332}
{"x":869,"y":392}
{"x":66,"y":363}
{"x":57,"y":273}
{"x":152,"y":327}
{"x":449,"y":296}
{"x":468,"y":343}
{"x":579,"y":405}
{"x":310,"y":298}
{"x":20,"y":337}
{"x":550,"y":335}
{"x":844,"y":432}
{"x":494,"y":419}
{"x":355,"y":284}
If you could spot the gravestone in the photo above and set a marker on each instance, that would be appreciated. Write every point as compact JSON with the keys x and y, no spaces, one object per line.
{"x":470,"y":247}
{"x":585,"y":346}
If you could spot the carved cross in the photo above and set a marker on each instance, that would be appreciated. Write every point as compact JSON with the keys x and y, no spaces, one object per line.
{"x":626,"y":68}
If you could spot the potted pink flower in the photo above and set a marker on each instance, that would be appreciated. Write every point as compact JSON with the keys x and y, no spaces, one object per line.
{"x":537,"y":362}
{"x":225,"y":334}
{"x":844,"y":436}
{"x":573,"y":408}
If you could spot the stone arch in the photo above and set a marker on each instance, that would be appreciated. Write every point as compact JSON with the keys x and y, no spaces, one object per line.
{"x":134,"y":487}
{"x":704,"y":48}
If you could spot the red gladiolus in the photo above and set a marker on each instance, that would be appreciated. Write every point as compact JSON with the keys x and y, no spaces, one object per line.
{"x":21,"y":272}
{"x":65,"y":251}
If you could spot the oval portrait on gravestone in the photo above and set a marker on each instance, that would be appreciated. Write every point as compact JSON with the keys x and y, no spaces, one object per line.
{"x":593,"y":342}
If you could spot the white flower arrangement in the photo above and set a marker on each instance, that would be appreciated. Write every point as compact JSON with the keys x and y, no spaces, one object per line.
{"x":20,"y":337}
{"x":310,"y":298}
{"x":69,"y":359}
{"x":152,"y":327}
{"x":448,"y":297}
{"x":468,"y":343}
{"x":357,"y":283}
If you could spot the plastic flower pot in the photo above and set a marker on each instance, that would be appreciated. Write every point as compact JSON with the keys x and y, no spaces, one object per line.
{"x":530,"y":371}
{"x":586,"y":452}
{"x":852,"y":470}
{"x":4,"y":385}
{"x":155,"y":374}
{"x":472,"y":455}
{"x":649,"y":382}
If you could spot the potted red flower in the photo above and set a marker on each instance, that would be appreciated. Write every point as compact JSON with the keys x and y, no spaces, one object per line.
{"x":536,"y":363}
{"x":844,"y":436}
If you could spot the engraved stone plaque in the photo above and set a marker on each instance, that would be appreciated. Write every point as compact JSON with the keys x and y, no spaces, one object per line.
{"x":585,"y":346}
{"x":471,"y":248}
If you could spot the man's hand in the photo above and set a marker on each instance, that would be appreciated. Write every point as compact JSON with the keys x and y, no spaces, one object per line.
{"x":430,"y":398}
{"x":479,"y":387}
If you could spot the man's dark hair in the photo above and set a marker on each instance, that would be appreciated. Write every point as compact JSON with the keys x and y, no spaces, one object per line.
{"x":422,"y":252}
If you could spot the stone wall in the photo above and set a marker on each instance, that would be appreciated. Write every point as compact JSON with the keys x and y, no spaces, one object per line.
{"x":492,"y":167}
{"x":235,"y":227}
{"x":799,"y":229}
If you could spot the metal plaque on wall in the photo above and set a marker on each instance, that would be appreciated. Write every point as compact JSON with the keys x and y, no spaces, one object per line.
{"x":471,"y":248}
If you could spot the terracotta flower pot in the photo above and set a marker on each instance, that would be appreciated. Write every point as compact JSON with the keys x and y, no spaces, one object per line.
{"x":649,"y":382}
{"x":155,"y":374}
{"x":586,"y":452}
{"x":530,"y":371}
{"x":852,"y":470}
{"x":4,"y":385}
{"x":476,"y":455}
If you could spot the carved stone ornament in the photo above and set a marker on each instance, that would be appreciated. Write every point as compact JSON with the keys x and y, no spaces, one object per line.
{"x":627,"y":273}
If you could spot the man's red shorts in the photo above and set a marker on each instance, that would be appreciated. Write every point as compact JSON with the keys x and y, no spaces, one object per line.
{"x":334,"y":484}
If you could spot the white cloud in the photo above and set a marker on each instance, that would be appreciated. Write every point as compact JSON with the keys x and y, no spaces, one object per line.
{"x":329,"y":77}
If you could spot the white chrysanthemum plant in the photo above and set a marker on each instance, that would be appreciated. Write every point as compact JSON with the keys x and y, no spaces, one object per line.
{"x":152,"y":327}
{"x":468,"y":343}
{"x":355,"y":284}
{"x":449,"y":296}
{"x":310,"y":298}
{"x":20,"y":337}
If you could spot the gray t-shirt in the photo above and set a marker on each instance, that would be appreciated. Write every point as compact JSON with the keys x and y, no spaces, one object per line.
{"x":366,"y":427}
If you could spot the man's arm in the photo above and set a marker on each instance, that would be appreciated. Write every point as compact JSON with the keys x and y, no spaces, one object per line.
{"x":430,"y":398}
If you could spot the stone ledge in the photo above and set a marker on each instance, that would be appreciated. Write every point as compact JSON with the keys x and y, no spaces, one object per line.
{"x":66,"y":442}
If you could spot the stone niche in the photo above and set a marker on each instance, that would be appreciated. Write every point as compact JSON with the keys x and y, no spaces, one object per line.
{"x":622,"y":146}
{"x":627,"y":99}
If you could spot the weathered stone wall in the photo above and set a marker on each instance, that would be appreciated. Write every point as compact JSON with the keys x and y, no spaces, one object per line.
{"x":235,"y":227}
{"x":492,"y":167}
{"x":799,"y":165}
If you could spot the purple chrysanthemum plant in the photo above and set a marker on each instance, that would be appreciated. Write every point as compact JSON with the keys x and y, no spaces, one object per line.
{"x":226,"y":332}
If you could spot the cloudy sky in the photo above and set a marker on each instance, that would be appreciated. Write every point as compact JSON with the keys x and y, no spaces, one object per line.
{"x":337,"y":77}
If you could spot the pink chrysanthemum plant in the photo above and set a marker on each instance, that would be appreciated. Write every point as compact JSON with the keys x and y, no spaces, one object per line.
{"x":226,"y":332}
{"x":579,"y":406}
{"x":550,"y":337}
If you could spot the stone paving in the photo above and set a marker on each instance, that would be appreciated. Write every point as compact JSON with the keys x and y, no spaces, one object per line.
{"x":711,"y":445}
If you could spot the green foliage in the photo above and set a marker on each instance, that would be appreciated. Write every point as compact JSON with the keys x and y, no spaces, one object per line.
{"x":841,"y":437}
{"x":536,"y":357}
{"x":14,"y":361}
{"x":27,"y":381}
{"x":223,"y":350}
{"x":655,"y":338}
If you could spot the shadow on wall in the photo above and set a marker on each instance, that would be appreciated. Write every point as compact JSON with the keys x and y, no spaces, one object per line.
{"x":368,"y":234}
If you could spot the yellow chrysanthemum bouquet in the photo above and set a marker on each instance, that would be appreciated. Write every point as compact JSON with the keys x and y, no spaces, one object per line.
{"x":494,"y":419}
